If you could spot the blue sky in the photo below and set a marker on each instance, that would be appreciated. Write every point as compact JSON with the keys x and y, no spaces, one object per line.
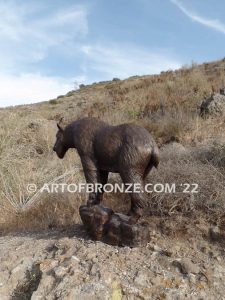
{"x":49,"y":47}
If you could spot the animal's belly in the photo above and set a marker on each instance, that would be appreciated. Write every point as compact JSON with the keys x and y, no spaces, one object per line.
{"x":108,"y":163}
{"x":107,"y":154}
{"x":109,"y":168}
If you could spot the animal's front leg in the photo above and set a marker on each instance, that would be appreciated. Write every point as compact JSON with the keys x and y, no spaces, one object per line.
{"x":91,"y":174}
{"x":103,"y":178}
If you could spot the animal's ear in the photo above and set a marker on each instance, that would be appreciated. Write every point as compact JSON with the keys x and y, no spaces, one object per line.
{"x":60,"y":127}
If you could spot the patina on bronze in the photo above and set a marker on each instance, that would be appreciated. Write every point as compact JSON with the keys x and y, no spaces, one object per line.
{"x":104,"y":225}
{"x":95,"y":219}
{"x":127,"y":149}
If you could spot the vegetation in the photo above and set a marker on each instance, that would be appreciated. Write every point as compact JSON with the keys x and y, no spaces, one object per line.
{"x":166,"y":104}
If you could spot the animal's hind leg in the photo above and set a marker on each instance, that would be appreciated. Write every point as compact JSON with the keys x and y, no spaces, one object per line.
{"x":103,"y":178}
{"x":137,"y":196}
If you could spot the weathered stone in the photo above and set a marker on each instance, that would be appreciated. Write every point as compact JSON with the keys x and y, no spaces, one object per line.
{"x":95,"y":270}
{"x":44,"y":288}
{"x":215,"y":234}
{"x":214,"y":105}
{"x":48,"y":264}
{"x":142,"y":278}
{"x":186,"y":266}
{"x":60,"y":271}
{"x":25,"y":287}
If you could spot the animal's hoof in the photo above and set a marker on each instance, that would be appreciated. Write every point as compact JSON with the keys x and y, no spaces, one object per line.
{"x":93,"y":200}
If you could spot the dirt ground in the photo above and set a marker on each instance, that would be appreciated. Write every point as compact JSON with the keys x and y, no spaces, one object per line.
{"x":184,"y":263}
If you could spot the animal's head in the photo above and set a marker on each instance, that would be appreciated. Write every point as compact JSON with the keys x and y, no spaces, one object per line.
{"x":60,"y":146}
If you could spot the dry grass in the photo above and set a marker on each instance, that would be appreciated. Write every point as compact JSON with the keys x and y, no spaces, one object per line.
{"x":166,"y":104}
{"x":190,"y":166}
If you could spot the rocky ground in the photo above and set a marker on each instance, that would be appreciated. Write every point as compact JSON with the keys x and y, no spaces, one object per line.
{"x":66,"y":264}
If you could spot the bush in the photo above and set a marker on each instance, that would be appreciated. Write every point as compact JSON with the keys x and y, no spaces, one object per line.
{"x":53,"y":101}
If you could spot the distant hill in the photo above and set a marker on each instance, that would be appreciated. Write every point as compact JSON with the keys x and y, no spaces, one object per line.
{"x":47,"y":254}
{"x":166,"y":104}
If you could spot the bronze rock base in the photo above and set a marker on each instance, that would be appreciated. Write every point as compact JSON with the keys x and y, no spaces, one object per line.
{"x":113,"y":228}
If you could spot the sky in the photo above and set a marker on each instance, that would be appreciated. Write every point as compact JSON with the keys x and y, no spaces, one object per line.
{"x":49,"y":47}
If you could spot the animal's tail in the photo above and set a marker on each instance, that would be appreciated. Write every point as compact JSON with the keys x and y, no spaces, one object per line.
{"x":153,"y":162}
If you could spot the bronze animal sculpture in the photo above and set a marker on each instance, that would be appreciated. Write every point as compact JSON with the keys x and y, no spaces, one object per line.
{"x":126,"y":149}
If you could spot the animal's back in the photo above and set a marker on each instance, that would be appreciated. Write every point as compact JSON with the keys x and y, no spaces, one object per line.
{"x":123,"y":145}
{"x":135,"y":135}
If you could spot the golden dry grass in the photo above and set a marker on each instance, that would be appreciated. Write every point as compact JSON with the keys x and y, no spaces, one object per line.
{"x":166,"y":104}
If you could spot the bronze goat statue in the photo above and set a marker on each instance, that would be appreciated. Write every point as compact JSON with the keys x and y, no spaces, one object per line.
{"x":126,"y":149}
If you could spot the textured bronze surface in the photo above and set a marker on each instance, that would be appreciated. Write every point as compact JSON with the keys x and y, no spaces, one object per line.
{"x":115,"y":229}
{"x":94,"y":219}
{"x":127,"y":149}
{"x":120,"y":232}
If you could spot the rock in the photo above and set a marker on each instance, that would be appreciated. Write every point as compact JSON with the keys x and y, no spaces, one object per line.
{"x":45,"y":286}
{"x":48,"y":264}
{"x":95,"y":260}
{"x":173,"y":150}
{"x":222,"y":91}
{"x":19,"y":273}
{"x":113,"y":228}
{"x":120,"y":232}
{"x":93,"y":270}
{"x":178,"y":147}
{"x":60,"y":271}
{"x":89,"y":291}
{"x":213,"y":106}
{"x":156,"y":280}
{"x":94,"y":218}
{"x":164,"y":261}
{"x":28,"y":284}
{"x":75,"y":258}
{"x":142,"y":278}
{"x":215,"y":234}
{"x":186,"y":266}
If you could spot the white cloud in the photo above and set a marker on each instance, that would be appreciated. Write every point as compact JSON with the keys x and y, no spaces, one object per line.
{"x":214,"y":24}
{"x":27,"y":32}
{"x":31,"y":88}
{"x":124,"y":61}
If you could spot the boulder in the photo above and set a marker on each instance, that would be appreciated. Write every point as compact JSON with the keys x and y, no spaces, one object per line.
{"x":186,"y":266}
{"x":213,"y":106}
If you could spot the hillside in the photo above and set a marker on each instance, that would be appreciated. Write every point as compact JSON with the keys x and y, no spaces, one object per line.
{"x":184,"y":225}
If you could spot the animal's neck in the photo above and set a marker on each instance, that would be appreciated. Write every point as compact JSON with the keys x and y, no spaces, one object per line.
{"x":69,"y":137}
